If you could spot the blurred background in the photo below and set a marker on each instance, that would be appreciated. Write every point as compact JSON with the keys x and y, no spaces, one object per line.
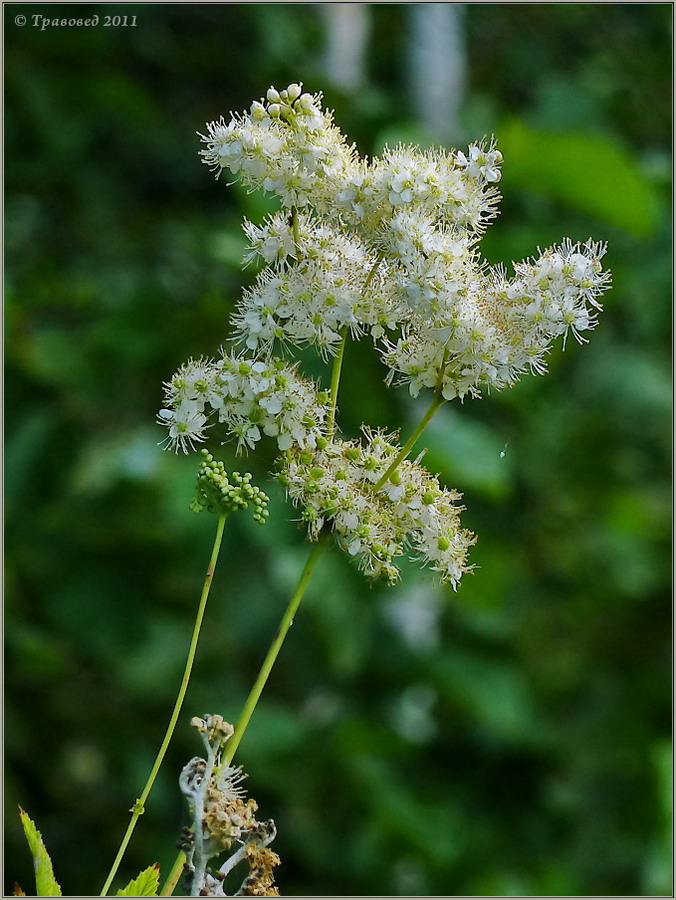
{"x":510,"y":739}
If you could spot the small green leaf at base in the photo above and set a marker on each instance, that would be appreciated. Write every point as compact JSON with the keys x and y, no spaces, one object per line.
{"x":45,"y":883}
{"x":146,"y":884}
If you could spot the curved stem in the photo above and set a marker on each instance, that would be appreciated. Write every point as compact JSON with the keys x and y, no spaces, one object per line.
{"x":257,"y":689}
{"x":200,"y":856}
{"x":266,"y":668}
{"x":335,"y":383}
{"x":437,"y":401}
{"x":408,"y":446}
{"x":138,"y":808}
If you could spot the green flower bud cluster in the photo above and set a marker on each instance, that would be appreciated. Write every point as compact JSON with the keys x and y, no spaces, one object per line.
{"x":222,"y":493}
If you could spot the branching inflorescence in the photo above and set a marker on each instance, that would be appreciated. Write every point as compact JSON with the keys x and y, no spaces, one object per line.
{"x":223,"y":818}
{"x":385,"y":249}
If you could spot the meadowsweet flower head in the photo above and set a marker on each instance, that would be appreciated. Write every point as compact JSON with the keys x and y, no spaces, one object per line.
{"x":321,"y":281}
{"x":388,"y":249}
{"x":497,"y":328}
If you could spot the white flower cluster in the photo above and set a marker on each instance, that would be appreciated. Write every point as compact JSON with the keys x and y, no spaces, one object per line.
{"x":338,"y":485}
{"x":287,"y":144}
{"x":488,"y":332}
{"x":336,"y":283}
{"x":437,"y":184}
{"x":249,"y":396}
{"x":386,"y":248}
{"x":390,"y":250}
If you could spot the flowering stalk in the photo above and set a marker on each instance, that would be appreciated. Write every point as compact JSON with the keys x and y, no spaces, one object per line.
{"x":139,"y":806}
{"x":222,"y":495}
{"x":386,"y":249}
{"x":338,"y":361}
{"x":257,"y":689}
{"x":275,"y":647}
{"x":294,"y":227}
{"x":169,"y":885}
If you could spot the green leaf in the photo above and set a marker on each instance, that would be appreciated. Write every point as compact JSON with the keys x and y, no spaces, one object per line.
{"x":45,"y":883}
{"x":592,"y":172}
{"x":146,"y":884}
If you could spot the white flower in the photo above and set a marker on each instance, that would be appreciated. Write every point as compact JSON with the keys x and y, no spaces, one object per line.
{"x":186,"y":426}
{"x":482,"y":163}
{"x":290,"y":147}
{"x":490,"y":330}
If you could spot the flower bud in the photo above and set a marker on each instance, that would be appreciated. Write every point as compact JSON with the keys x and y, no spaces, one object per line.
{"x":306,"y":102}
{"x":273,"y":95}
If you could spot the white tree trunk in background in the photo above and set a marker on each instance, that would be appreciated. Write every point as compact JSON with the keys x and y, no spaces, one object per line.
{"x":347,"y":31}
{"x":437,"y":64}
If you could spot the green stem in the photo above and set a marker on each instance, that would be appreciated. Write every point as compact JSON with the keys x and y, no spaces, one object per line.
{"x":138,"y":807}
{"x":437,"y":401}
{"x":338,"y":360}
{"x":408,"y":446}
{"x":372,"y":271}
{"x":257,"y":689}
{"x":170,"y":884}
{"x":294,"y":228}
{"x":335,"y":383}
{"x":266,"y":668}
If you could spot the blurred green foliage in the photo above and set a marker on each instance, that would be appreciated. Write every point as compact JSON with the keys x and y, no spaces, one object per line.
{"x":512,"y":738}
